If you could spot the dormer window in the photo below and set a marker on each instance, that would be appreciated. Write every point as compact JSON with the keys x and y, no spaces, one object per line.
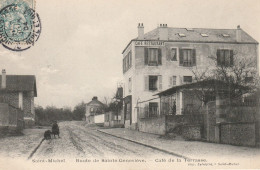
{"x":189,"y":29}
{"x":182,"y":35}
{"x":225,"y":35}
{"x":204,"y":35}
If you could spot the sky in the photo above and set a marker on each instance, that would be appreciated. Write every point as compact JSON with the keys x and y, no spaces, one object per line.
{"x":79,"y":52}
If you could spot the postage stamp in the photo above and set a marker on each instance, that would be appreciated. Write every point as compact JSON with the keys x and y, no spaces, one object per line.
{"x":20,"y":25}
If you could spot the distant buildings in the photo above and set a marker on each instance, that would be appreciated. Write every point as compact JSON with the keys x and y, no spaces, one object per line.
{"x":17,"y":93}
{"x":164,"y":57}
{"x":94,"y":108}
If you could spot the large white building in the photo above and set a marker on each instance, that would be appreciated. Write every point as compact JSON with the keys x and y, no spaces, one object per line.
{"x":163,"y":57}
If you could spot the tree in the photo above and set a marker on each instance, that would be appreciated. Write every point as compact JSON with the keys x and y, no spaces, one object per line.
{"x":45,"y":116}
{"x":79,"y":111}
{"x":239,"y":74}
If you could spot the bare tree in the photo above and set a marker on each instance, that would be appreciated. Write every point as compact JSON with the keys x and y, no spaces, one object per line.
{"x":238,"y":74}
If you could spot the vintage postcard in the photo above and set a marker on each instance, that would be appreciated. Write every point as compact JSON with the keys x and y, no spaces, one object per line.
{"x":127,"y":84}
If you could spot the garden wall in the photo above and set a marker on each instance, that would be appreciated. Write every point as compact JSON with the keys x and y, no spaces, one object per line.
{"x":155,"y":125}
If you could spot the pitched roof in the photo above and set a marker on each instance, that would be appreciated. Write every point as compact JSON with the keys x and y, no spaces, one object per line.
{"x":194,"y":35}
{"x":20,"y":83}
{"x":95,"y":102}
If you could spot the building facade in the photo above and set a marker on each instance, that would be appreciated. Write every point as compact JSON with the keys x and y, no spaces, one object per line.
{"x":93,"y":109}
{"x":165,"y":57}
{"x":19,"y":91}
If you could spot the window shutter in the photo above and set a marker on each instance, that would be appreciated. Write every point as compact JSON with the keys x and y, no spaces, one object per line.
{"x":231,"y":58}
{"x":174,"y":80}
{"x":181,"y":57}
{"x":146,"y":56}
{"x":168,"y":54}
{"x":123,"y":65}
{"x":160,"y":82}
{"x":218,"y":57}
{"x":159,"y":56}
{"x":170,"y":81}
{"x":146,"y":83}
{"x":181,"y":79}
{"x":130,"y":59}
{"x":194,"y":57}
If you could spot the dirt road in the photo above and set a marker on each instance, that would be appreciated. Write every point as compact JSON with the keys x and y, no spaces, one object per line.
{"x":78,"y":140}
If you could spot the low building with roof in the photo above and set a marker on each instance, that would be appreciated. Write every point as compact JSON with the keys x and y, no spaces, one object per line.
{"x":163,"y":58}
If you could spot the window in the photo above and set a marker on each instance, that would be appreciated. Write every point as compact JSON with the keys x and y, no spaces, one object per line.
{"x":173,"y":81}
{"x":153,"y":109}
{"x":187,"y":79}
{"x":225,"y":57}
{"x":225,"y":35}
{"x":153,"y":83}
{"x":182,"y":35}
{"x":91,"y":109}
{"x":187,"y":57}
{"x":204,"y":35}
{"x":153,"y":56}
{"x":127,"y":62}
{"x":173,"y":54}
{"x":189,"y":29}
{"x":130,"y":85}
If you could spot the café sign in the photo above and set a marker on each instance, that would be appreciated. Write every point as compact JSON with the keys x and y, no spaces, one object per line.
{"x":149,"y":43}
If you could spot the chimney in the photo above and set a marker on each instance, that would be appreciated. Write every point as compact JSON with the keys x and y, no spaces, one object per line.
{"x":238,"y":33}
{"x":94,"y":98}
{"x":140,"y":31}
{"x":3,"y":84}
{"x":163,"y":32}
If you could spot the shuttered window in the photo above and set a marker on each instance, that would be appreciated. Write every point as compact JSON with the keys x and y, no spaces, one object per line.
{"x":187,"y":57}
{"x":152,"y":56}
{"x":127,"y":62}
{"x":225,"y":58}
{"x":153,"y":83}
{"x":173,"y":54}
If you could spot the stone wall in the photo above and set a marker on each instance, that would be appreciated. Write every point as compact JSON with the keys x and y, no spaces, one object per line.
{"x":28,"y":108}
{"x":11,"y":118}
{"x":127,"y":124}
{"x":238,"y":134}
{"x":192,"y":132}
{"x":16,"y":117}
{"x":175,"y":121}
{"x":154,"y":125}
{"x":12,"y":98}
{"x":237,"y":124}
